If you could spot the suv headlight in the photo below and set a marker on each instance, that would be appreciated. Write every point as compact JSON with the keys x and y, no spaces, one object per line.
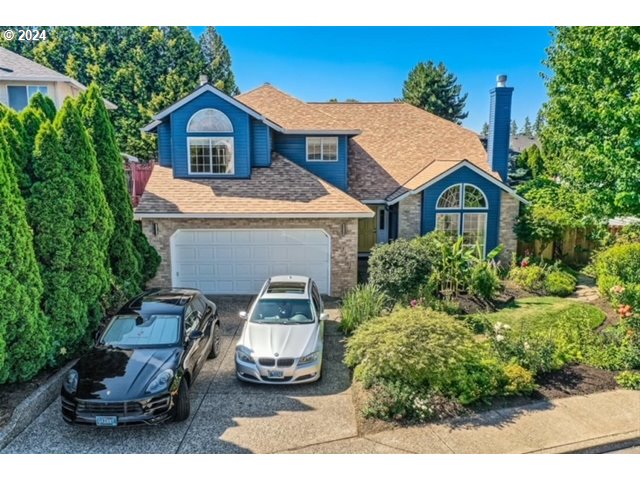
{"x":161,"y":381}
{"x":312,"y":357}
{"x":243,"y":355}
{"x":70,"y":382}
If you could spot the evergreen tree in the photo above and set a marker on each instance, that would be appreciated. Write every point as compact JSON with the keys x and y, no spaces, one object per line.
{"x":538,"y":123}
{"x":435,"y":89}
{"x":485,"y":130}
{"x":514,"y":128}
{"x":527,"y":129}
{"x":24,"y":333}
{"x":92,"y":218}
{"x":31,"y":118}
{"x":16,"y":139}
{"x":51,"y":218}
{"x":44,"y":104}
{"x":218,"y":59}
{"x":124,"y":259}
{"x":150,"y":257}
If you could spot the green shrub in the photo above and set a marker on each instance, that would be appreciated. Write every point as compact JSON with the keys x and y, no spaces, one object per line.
{"x":559,"y":284}
{"x":479,"y":323}
{"x":617,"y":347}
{"x":478,"y":378}
{"x":628,"y":379}
{"x":485,"y":282}
{"x":518,"y":380}
{"x":621,"y":261}
{"x":361,"y":305}
{"x":399,"y":268}
{"x":535,"y":351}
{"x":530,"y":278}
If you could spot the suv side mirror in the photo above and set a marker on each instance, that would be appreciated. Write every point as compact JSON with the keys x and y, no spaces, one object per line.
{"x":324,"y":316}
{"x":195,"y":335}
{"x":243,"y":315}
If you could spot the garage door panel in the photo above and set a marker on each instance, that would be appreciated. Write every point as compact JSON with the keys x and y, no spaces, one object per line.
{"x":239,"y":261}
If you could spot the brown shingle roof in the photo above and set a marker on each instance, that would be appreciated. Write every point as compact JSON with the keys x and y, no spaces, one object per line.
{"x":397,"y":142}
{"x":291,"y":113}
{"x":284,"y":188}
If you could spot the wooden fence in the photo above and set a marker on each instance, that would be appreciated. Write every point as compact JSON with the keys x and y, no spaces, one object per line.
{"x":138,"y":175}
{"x":574,"y":249}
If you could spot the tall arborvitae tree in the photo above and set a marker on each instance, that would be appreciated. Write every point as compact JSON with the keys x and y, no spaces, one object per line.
{"x":32,"y":119}
{"x":44,"y":104}
{"x":527,"y":128}
{"x":218,"y":67}
{"x":92,"y":218}
{"x":51,"y":210}
{"x":24,"y":332}
{"x":436,"y":90}
{"x":150,"y":257}
{"x":124,"y":258}
{"x":15,"y":136}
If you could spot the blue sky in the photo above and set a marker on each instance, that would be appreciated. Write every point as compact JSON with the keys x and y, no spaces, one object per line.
{"x":371,"y":63}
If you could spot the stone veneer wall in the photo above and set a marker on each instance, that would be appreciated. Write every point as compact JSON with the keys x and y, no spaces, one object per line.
{"x":410,"y":216}
{"x":344,"y":247}
{"x":509,"y":208}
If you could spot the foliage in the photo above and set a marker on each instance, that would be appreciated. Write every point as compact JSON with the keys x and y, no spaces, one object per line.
{"x":44,"y":104}
{"x":485,"y":130}
{"x":531,"y":159}
{"x":123,"y":257}
{"x":518,"y":380}
{"x":360,"y":305}
{"x":531,"y":277}
{"x":218,"y":61}
{"x":559,"y":283}
{"x":617,"y":347}
{"x":399,"y":268}
{"x":24,"y":332}
{"x":435,"y":89}
{"x":592,"y":131}
{"x":527,"y":128}
{"x":150,"y":257}
{"x":514,"y":128}
{"x":538,"y":123}
{"x":140,"y":69}
{"x":16,"y":143}
{"x":629,"y":380}
{"x":31,"y":119}
{"x":485,"y":282}
{"x":618,"y":265}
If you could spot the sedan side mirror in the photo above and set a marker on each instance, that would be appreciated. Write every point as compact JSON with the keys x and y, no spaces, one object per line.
{"x":243,"y":315}
{"x":324,"y":316}
{"x":195,"y":335}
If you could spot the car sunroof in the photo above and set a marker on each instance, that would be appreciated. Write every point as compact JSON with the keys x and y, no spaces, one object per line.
{"x":286,"y":287}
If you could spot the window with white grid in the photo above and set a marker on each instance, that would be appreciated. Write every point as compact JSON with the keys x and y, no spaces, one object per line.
{"x":474,"y":229}
{"x":211,"y":156}
{"x":209,"y":120}
{"x":322,"y":149}
{"x":448,"y":223}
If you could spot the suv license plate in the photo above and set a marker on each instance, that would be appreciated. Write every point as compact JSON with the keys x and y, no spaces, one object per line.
{"x":106,"y":421}
{"x":275,"y":373}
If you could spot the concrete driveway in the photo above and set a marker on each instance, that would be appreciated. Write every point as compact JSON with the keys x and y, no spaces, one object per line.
{"x":226,"y":416}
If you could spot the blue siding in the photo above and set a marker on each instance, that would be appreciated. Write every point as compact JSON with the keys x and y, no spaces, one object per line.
{"x":499,"y":130}
{"x":241,"y":135}
{"x":294,"y":147}
{"x":260,"y":144}
{"x":164,"y":143}
{"x":464,"y":175}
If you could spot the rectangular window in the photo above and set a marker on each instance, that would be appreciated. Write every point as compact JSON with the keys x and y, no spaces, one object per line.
{"x":19,"y":95}
{"x":448,"y":223}
{"x":211,"y":156}
{"x":322,"y":149}
{"x":474,"y":229}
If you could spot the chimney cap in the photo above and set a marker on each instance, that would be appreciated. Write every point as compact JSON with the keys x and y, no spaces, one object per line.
{"x":203,"y":79}
{"x":502,"y":80}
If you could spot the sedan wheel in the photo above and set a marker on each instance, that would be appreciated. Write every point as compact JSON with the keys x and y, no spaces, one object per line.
{"x":215,"y":342}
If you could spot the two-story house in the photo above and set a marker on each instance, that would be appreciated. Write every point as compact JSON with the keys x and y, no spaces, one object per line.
{"x":263,"y":184}
{"x":21,"y":78}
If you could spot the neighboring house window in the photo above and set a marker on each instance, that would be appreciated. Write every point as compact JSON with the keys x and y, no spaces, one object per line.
{"x":19,"y":95}
{"x":210,"y":154}
{"x":469,"y":219}
{"x":322,"y":149}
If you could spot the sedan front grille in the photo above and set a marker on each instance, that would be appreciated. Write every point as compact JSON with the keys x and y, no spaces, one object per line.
{"x":285,"y":362}
{"x":267,"y":362}
{"x":119,"y":409}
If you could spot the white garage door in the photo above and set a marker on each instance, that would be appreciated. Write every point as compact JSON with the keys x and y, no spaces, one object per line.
{"x":239,"y":261}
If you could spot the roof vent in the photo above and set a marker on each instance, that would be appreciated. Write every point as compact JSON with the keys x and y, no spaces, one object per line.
{"x":502,"y":80}
{"x":203,"y":79}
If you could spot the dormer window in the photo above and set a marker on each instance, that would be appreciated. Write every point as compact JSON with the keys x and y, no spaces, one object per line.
{"x":322,"y":149}
{"x":210,"y":154}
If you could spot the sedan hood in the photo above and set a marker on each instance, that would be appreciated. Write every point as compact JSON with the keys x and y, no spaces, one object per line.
{"x":116,"y":374}
{"x":290,"y":341}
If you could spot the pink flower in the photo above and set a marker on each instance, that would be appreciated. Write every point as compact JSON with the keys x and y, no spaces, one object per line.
{"x":524,"y":263}
{"x":617,"y":290}
{"x":414,"y":303}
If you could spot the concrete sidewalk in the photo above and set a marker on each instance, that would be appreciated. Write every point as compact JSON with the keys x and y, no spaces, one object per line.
{"x":592,"y":423}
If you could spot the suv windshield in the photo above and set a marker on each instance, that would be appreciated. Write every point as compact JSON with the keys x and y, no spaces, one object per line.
{"x":136,"y":331}
{"x":279,"y":311}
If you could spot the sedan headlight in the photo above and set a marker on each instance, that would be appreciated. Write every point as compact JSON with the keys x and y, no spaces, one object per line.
{"x":312,"y":357}
{"x":70,"y":382}
{"x":243,"y":355}
{"x":161,"y":381}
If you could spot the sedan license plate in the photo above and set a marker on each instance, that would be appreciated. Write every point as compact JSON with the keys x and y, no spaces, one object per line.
{"x":106,"y":421}
{"x":275,"y":373}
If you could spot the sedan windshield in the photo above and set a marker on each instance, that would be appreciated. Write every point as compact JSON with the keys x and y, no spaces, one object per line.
{"x":136,"y":331}
{"x":278,"y":311}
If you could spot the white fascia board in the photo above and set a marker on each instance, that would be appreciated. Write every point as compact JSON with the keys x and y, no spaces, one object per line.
{"x":141,"y":215}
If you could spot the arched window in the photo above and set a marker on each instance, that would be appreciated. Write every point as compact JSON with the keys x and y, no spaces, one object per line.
{"x":461,"y":211}
{"x":209,"y":120}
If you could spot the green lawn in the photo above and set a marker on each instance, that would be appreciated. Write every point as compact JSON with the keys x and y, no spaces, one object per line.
{"x":538,"y":313}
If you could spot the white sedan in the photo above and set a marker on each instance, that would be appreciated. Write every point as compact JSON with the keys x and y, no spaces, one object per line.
{"x":282,"y":338}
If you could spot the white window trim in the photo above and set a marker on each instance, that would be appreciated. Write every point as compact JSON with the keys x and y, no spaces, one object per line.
{"x":207,"y":131}
{"x":322,"y":139}
{"x":228,"y":141}
{"x":460,"y":197}
{"x":486,"y":227}
{"x":486,"y":200}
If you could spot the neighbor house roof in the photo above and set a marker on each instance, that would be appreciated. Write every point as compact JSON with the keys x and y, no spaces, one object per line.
{"x":519,"y":143}
{"x":398,"y":142}
{"x":14,"y":67}
{"x":285,"y":189}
